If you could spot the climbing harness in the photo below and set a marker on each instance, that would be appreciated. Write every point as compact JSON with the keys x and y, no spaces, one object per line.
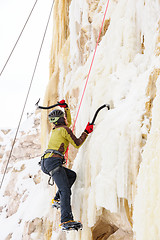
{"x":14,"y":140}
{"x":51,"y":173}
{"x":54,"y":151}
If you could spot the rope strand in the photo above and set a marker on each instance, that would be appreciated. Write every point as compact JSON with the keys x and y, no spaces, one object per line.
{"x":26,"y":97}
{"x":18,"y":38}
{"x":91,"y":66}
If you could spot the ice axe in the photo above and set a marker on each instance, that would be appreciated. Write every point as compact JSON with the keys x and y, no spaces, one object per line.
{"x":49,"y":107}
{"x":98,"y":110}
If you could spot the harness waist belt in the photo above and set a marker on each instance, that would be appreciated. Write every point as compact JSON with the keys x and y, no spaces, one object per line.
{"x":54,"y":151}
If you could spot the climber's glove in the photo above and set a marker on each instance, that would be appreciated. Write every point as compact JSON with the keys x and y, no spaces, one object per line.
{"x":62,"y":104}
{"x":89,"y":128}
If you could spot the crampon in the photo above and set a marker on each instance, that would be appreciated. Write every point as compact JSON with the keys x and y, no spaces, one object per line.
{"x":71,"y":225}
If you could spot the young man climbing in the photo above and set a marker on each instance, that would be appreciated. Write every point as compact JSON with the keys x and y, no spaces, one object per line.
{"x":53,"y":159}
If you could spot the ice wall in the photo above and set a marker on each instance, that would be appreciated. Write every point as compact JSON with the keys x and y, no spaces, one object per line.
{"x":125,"y":75}
{"x":146,"y":213}
{"x":60,"y":36}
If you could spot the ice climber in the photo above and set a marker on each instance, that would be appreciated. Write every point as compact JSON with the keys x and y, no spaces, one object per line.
{"x":53,"y":160}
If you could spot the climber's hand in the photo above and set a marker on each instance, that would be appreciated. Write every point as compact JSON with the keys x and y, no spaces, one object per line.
{"x":63,"y":104}
{"x":89,"y":128}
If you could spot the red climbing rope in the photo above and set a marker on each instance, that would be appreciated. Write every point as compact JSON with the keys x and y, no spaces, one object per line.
{"x":90,"y":66}
{"x":66,"y":155}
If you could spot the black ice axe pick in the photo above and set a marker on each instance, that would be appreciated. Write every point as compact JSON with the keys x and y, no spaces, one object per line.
{"x":49,"y":107}
{"x":98,"y":110}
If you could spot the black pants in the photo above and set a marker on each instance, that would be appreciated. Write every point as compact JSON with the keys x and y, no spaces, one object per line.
{"x":64,"y":179}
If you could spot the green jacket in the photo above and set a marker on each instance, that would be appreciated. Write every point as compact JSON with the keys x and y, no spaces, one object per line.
{"x":62,"y":135}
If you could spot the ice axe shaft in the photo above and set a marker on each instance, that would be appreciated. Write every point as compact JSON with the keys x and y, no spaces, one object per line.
{"x":49,"y":107}
{"x":96,"y":113}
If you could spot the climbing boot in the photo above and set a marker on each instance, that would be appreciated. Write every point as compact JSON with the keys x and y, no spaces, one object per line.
{"x":55,"y":203}
{"x":71,"y":225}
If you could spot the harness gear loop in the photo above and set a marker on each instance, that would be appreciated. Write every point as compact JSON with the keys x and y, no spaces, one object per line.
{"x":49,"y":181}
